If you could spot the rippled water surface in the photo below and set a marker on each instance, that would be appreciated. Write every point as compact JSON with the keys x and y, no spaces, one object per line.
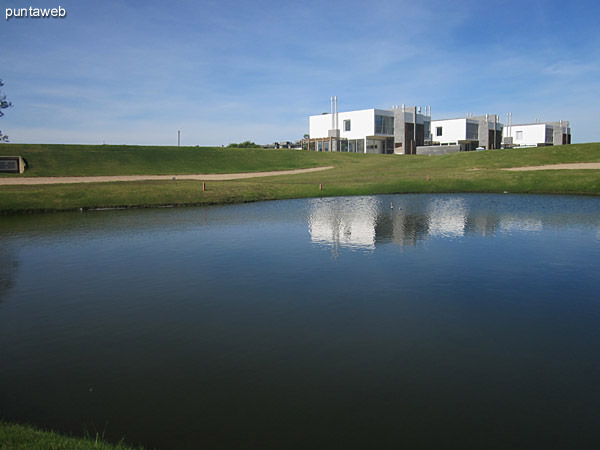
{"x":408,"y":321}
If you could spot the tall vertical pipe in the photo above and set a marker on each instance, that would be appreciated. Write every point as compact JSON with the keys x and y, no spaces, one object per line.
{"x":336,"y":114}
{"x":332,"y":117}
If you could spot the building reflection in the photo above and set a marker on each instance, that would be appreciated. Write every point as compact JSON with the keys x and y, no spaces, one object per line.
{"x":363,"y":223}
{"x":401,"y":228}
{"x":344,"y":222}
{"x":366,"y":222}
{"x":482,"y":225}
{"x":447,"y":217}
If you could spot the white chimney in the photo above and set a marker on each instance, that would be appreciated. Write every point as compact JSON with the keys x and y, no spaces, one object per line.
{"x":336,"y":114}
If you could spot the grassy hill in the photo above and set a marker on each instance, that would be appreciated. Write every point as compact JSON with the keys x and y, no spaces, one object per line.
{"x":353,"y":174}
{"x":89,"y":160}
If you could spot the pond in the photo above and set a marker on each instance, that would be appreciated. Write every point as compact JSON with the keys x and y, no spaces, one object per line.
{"x":401,"y":321}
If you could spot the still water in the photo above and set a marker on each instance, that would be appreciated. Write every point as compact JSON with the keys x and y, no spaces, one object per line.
{"x":409,"y":321}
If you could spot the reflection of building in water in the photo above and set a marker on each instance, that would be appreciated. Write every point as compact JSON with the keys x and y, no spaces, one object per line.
{"x":401,"y":228}
{"x":447,"y":217}
{"x":516,"y":223}
{"x":366,"y":222}
{"x":482,"y":225}
{"x":344,"y":222}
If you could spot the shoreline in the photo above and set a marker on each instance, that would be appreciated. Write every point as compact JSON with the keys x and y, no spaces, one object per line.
{"x":78,"y":178}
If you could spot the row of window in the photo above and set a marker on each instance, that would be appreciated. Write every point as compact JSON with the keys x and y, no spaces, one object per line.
{"x":383,"y":125}
{"x":350,"y":145}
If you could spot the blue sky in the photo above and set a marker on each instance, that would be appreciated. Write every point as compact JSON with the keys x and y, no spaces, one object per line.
{"x":135,"y":72}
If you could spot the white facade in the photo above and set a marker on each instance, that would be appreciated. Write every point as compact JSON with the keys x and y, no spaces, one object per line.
{"x":449,"y":131}
{"x":469,"y":132}
{"x":360,"y":123}
{"x":531,"y":135}
{"x":406,"y":131}
{"x":363,"y":131}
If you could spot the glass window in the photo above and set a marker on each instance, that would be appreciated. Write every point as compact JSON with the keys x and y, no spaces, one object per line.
{"x":384,"y":125}
{"x":472,"y":131}
{"x":360,"y":146}
{"x":346,"y":125}
{"x":438,"y":131}
{"x":375,"y":146}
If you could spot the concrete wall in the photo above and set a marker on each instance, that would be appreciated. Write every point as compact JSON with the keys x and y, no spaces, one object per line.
{"x":401,"y":119}
{"x":483,"y":133}
{"x":561,"y":127}
{"x":486,"y":125}
{"x":438,"y":149}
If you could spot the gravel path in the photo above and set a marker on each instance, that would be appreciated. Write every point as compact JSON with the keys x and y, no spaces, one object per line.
{"x":571,"y":166}
{"x":201,"y":177}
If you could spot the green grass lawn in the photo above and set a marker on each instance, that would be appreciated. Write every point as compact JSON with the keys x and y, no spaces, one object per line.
{"x":24,"y":437}
{"x":353,"y":174}
{"x":90,"y":160}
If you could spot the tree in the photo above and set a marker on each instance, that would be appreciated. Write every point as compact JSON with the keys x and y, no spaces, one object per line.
{"x":245,"y":144}
{"x":3,"y":105}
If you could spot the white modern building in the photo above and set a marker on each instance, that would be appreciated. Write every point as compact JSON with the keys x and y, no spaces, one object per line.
{"x":408,"y":131}
{"x":468,"y":132}
{"x":386,"y":131}
{"x":364,"y":131}
{"x":539,"y":134}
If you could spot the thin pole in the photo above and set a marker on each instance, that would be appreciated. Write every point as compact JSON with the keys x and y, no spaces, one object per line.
{"x":178,"y":138}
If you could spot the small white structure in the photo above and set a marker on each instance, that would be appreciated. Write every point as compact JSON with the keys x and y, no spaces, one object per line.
{"x":468,"y":132}
{"x":540,"y":134}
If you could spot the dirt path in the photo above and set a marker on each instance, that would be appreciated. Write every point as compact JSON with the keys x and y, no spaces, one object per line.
{"x":571,"y":166}
{"x":201,"y":177}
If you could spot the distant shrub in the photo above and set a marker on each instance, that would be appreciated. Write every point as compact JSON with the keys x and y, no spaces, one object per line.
{"x":245,"y":144}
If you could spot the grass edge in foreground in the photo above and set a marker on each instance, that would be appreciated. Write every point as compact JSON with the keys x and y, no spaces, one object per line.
{"x":26,"y":437}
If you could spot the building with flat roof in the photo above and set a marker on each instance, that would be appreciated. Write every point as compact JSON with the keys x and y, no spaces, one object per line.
{"x":383,"y":131}
{"x":409,"y":131}
{"x":468,"y":132}
{"x":539,"y":134}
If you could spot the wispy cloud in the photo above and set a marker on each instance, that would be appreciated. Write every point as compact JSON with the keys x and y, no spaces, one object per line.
{"x":225,"y":71}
